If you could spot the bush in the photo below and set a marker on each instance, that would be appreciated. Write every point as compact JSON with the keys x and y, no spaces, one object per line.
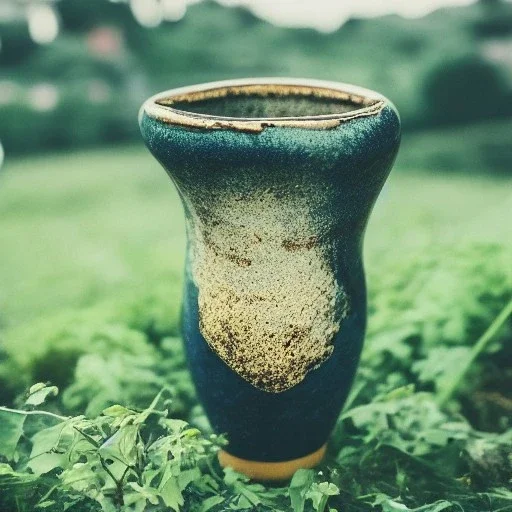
{"x":466,"y":89}
{"x":394,"y":449}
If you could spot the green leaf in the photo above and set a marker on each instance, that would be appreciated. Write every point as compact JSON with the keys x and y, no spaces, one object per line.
{"x":210,"y":502}
{"x":117,"y":410}
{"x":5,"y":469}
{"x":171,"y":494}
{"x":11,"y":430}
{"x":81,"y":477}
{"x":231,"y":477}
{"x":46,"y":504}
{"x":299,"y":485}
{"x":302,"y":478}
{"x":389,"y":505}
{"x":39,"y":393}
{"x":36,"y":387}
{"x":320,"y":493}
{"x":148,"y":493}
{"x":49,"y":448}
{"x":187,"y":476}
{"x":328,"y":489}
{"x":122,"y":446}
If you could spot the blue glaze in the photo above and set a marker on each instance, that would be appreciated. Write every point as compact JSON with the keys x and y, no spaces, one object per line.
{"x":351,"y":163}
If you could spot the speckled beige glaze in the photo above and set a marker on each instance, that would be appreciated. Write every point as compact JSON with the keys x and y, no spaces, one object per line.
{"x":269,"y":304}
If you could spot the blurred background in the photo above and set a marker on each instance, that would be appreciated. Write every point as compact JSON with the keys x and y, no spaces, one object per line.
{"x":86,"y":213}
{"x":77,"y":71}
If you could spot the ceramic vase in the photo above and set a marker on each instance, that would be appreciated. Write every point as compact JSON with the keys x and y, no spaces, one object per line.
{"x":277,"y":178}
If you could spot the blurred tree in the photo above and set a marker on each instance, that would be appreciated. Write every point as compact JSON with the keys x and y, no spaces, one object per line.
{"x":106,"y":61}
{"x":466,"y":89}
{"x":81,"y":16}
{"x":495,"y":21}
{"x":16,"y":44}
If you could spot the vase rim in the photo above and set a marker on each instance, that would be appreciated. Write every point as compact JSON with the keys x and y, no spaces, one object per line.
{"x":360,"y":101}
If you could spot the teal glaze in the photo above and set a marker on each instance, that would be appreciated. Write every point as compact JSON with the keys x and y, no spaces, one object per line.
{"x":338,"y":171}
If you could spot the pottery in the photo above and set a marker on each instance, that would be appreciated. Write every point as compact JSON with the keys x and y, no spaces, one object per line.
{"x":277,"y":178}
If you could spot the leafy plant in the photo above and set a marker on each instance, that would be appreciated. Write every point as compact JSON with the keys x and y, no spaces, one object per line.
{"x":403,"y":444}
{"x":130,"y":460}
{"x":120,"y":458}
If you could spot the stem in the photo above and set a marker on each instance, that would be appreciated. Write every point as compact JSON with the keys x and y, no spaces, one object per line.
{"x":34,"y":413}
{"x":119,"y":496}
{"x":48,"y":494}
{"x":504,"y":509}
{"x":88,"y":438}
{"x":212,"y":470}
{"x":107,"y":470}
{"x":477,"y":349}
{"x":323,"y":503}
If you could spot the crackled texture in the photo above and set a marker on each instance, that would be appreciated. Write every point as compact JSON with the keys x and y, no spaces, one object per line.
{"x":269,"y":303}
{"x":257,"y":101}
{"x":254,"y":106}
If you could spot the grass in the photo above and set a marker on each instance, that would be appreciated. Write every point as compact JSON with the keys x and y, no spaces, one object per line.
{"x":92,"y":248}
{"x":77,"y":227}
{"x":471,"y":148}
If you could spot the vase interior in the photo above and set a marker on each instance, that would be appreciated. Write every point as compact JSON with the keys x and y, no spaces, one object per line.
{"x":267,"y":101}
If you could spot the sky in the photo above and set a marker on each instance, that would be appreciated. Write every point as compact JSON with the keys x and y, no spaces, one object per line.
{"x":323,"y":15}
{"x":328,"y":15}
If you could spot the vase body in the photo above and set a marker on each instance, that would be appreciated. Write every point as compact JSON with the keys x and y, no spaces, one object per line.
{"x":277,"y":178}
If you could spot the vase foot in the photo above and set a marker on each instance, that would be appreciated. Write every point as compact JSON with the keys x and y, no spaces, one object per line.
{"x":271,"y":471}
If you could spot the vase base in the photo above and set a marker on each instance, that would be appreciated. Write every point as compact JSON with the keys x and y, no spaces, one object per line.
{"x":271,"y":471}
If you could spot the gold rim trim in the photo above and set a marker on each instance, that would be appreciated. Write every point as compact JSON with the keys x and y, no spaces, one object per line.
{"x":271,"y":471}
{"x":159,"y":107}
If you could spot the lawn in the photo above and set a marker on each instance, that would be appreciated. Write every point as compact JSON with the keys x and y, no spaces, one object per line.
{"x":91,"y":255}
{"x":77,"y":227}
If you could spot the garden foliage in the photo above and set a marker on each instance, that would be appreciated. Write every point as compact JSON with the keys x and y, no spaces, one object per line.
{"x":114,"y":423}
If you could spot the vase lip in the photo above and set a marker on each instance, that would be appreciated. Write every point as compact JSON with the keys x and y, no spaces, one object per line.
{"x":365,"y":102}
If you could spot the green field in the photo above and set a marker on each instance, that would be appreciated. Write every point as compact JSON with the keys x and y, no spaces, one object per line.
{"x":91,"y":256}
{"x":77,"y":227}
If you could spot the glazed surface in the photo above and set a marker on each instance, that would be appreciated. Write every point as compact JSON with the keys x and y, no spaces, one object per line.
{"x":276,"y":212}
{"x":269,"y":302}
